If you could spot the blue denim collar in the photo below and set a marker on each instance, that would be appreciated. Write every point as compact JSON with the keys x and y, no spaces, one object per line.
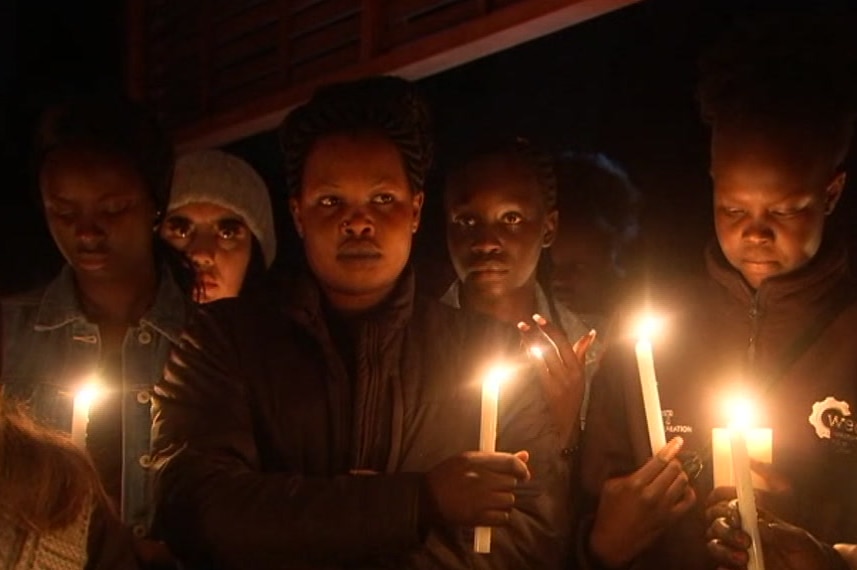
{"x":452,"y":298}
{"x":60,"y":307}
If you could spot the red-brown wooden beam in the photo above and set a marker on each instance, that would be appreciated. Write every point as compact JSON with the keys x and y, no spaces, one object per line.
{"x":432,"y":54}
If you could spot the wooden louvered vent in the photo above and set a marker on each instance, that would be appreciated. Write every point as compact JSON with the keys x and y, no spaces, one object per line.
{"x":218,"y":70}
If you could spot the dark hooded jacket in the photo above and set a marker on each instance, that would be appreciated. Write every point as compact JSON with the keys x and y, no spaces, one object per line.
{"x":285,"y":438}
{"x":793,"y":344}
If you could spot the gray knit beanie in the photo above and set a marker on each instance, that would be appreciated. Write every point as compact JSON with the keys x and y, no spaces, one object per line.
{"x":219,"y":178}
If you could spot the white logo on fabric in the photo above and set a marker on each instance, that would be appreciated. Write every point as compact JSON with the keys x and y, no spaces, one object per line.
{"x":830,"y":413}
{"x":670,"y":427}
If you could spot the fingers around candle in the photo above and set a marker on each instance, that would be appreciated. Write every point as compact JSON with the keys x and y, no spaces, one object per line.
{"x":671,"y":449}
{"x":653,"y":468}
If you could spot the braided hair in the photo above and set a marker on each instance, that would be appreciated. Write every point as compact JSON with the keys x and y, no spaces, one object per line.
{"x":385,"y":104}
{"x":542,"y":166}
{"x":790,"y":74}
{"x":531,"y":156}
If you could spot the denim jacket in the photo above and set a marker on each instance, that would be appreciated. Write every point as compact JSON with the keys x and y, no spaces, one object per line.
{"x":571,"y":324}
{"x":49,"y":348}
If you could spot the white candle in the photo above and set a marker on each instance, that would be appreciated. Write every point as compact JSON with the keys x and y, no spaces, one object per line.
{"x":746,"y":499}
{"x":488,"y":439}
{"x":740,"y":415}
{"x":649,"y":385}
{"x":759,"y":447}
{"x":80,"y":414}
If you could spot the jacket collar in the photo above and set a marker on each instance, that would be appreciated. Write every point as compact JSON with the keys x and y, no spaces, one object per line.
{"x":809,"y":285}
{"x":59,"y":305}
{"x":305,"y":302}
{"x":452,"y":298}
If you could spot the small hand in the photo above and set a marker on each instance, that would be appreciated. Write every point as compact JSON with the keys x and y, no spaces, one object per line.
{"x":477,"y":488}
{"x":784,"y":546}
{"x":561,"y":368}
{"x":634,"y":510}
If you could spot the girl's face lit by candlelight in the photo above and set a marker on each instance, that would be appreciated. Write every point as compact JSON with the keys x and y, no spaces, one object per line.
{"x":497,"y":225}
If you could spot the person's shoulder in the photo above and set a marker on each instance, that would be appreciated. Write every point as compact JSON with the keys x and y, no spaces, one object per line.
{"x":433,"y":318}
{"x":21,"y":308}
{"x":22,"y":299}
{"x":261,"y":309}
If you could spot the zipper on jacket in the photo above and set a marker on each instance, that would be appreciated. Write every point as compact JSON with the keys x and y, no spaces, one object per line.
{"x":755,"y":317}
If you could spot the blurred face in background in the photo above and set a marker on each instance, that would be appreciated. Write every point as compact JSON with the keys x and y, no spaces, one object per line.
{"x":584,"y":268}
{"x":218,"y":243}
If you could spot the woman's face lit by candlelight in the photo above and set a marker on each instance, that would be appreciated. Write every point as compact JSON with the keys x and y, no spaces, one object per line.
{"x":356,"y":213}
{"x":771,"y":198}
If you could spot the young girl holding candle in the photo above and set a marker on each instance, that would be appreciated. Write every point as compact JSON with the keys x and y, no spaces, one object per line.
{"x":501,"y":214}
{"x":773,"y":319}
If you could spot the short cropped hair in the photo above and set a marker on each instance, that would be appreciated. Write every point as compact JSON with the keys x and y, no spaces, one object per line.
{"x":537,"y":160}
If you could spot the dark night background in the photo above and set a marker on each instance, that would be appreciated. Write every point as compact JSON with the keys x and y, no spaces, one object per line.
{"x":622,"y":84}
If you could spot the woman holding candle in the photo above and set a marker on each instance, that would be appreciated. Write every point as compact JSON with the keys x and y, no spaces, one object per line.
{"x":335,"y":422}
{"x":220,"y":217}
{"x":776,"y":311}
{"x":501,"y":216}
{"x":116,"y":308}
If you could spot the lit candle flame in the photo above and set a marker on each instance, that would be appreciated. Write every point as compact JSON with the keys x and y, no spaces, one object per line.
{"x":83,"y":400}
{"x":497,"y":375}
{"x":647,"y":327}
{"x":87,"y":394}
{"x":741,"y":413}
